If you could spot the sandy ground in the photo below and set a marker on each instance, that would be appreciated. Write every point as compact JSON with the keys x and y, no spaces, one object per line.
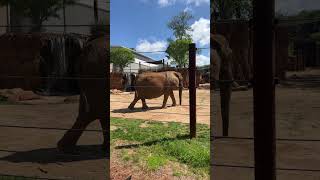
{"x":120,"y":103}
{"x":32,"y":152}
{"x":297,"y":113}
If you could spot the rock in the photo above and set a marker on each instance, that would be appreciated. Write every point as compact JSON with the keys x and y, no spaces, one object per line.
{"x":18,"y":94}
{"x":72,"y":99}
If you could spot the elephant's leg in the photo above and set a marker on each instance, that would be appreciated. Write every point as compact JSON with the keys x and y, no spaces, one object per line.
{"x":144,"y":104}
{"x":105,"y":144}
{"x":165,"y":99}
{"x":225,"y":94}
{"x":71,"y":137}
{"x":136,"y":99}
{"x":174,"y":103}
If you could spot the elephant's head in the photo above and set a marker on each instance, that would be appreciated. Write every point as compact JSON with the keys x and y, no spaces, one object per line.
{"x":179,"y":76}
{"x":221,"y":45}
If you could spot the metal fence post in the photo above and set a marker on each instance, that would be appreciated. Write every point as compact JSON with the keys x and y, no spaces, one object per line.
{"x":192,"y":89}
{"x":264,"y":90}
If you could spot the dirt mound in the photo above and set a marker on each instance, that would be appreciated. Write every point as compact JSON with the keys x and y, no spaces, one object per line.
{"x":18,"y":94}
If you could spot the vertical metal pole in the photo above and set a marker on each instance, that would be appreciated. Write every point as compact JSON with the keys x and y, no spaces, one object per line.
{"x":8,"y":19}
{"x":264,"y":90}
{"x":95,"y":7}
{"x":64,"y":16}
{"x":192,"y":89}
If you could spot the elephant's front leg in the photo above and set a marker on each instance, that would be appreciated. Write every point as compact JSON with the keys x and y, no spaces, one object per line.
{"x":144,"y":104}
{"x":165,"y":99}
{"x":174,"y":103}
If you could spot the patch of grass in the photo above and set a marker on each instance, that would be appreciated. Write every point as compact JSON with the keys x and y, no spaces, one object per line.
{"x":161,"y":144}
{"x":154,"y":162}
{"x":3,"y":100}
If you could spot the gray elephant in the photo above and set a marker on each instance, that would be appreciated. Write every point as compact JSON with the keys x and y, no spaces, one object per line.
{"x":221,"y":64}
{"x":149,"y":85}
{"x":93,"y":93}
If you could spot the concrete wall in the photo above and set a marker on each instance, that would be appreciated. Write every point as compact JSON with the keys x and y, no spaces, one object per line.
{"x":3,"y":19}
{"x":75,"y":15}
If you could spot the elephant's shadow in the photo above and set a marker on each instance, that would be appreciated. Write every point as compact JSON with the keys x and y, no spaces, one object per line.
{"x":52,"y":155}
{"x":127,"y":110}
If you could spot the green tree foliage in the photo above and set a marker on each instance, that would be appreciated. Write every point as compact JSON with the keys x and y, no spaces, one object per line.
{"x":178,"y":51}
{"x":180,"y":25}
{"x":228,"y":9}
{"x":121,"y":57}
{"x":38,"y":10}
{"x":178,"y":47}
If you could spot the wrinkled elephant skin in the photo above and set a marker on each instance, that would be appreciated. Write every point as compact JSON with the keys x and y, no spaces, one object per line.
{"x":149,"y":85}
{"x":221,"y":57}
{"x":93,"y":102}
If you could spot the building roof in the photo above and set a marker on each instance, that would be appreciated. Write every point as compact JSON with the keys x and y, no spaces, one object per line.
{"x":138,"y":55}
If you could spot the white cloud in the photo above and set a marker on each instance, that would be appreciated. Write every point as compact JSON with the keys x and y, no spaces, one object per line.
{"x":188,"y":9}
{"x":201,"y":32}
{"x":164,"y":3}
{"x":202,"y":60}
{"x":198,"y":2}
{"x":149,"y":46}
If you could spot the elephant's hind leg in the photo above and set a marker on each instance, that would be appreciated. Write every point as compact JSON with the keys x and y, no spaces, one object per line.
{"x":136,"y":99}
{"x":174,"y":103}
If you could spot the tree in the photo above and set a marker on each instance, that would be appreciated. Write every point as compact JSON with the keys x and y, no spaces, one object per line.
{"x":228,"y":9}
{"x":178,"y":51}
{"x":178,"y":48}
{"x":38,"y":10}
{"x":121,"y":57}
{"x":179,"y":25}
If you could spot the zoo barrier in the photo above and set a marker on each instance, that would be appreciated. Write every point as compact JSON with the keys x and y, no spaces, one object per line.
{"x":23,"y":70}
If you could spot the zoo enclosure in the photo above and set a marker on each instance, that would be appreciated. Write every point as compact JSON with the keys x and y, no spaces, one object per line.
{"x":260,"y":68}
{"x":20,"y":61}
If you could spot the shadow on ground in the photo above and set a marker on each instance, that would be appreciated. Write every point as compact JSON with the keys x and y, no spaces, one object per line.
{"x":52,"y":155}
{"x":127,"y":110}
{"x":151,"y":143}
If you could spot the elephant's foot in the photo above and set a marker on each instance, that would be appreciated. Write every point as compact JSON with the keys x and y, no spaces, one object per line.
{"x":163,"y":107}
{"x":67,"y":149}
{"x":145,"y":107}
{"x":174,"y":104}
{"x":131,"y":107}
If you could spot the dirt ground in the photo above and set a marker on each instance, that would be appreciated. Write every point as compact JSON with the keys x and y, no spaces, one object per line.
{"x":32,"y":152}
{"x":297,"y":117}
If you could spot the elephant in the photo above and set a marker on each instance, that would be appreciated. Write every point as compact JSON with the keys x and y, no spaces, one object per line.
{"x":221,"y":64}
{"x":149,"y":85}
{"x":92,"y":66}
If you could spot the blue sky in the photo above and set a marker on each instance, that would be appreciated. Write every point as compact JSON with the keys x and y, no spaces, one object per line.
{"x":142,"y":24}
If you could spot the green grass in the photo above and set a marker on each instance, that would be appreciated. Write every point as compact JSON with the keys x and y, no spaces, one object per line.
{"x":152,"y":145}
{"x":3,"y":100}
